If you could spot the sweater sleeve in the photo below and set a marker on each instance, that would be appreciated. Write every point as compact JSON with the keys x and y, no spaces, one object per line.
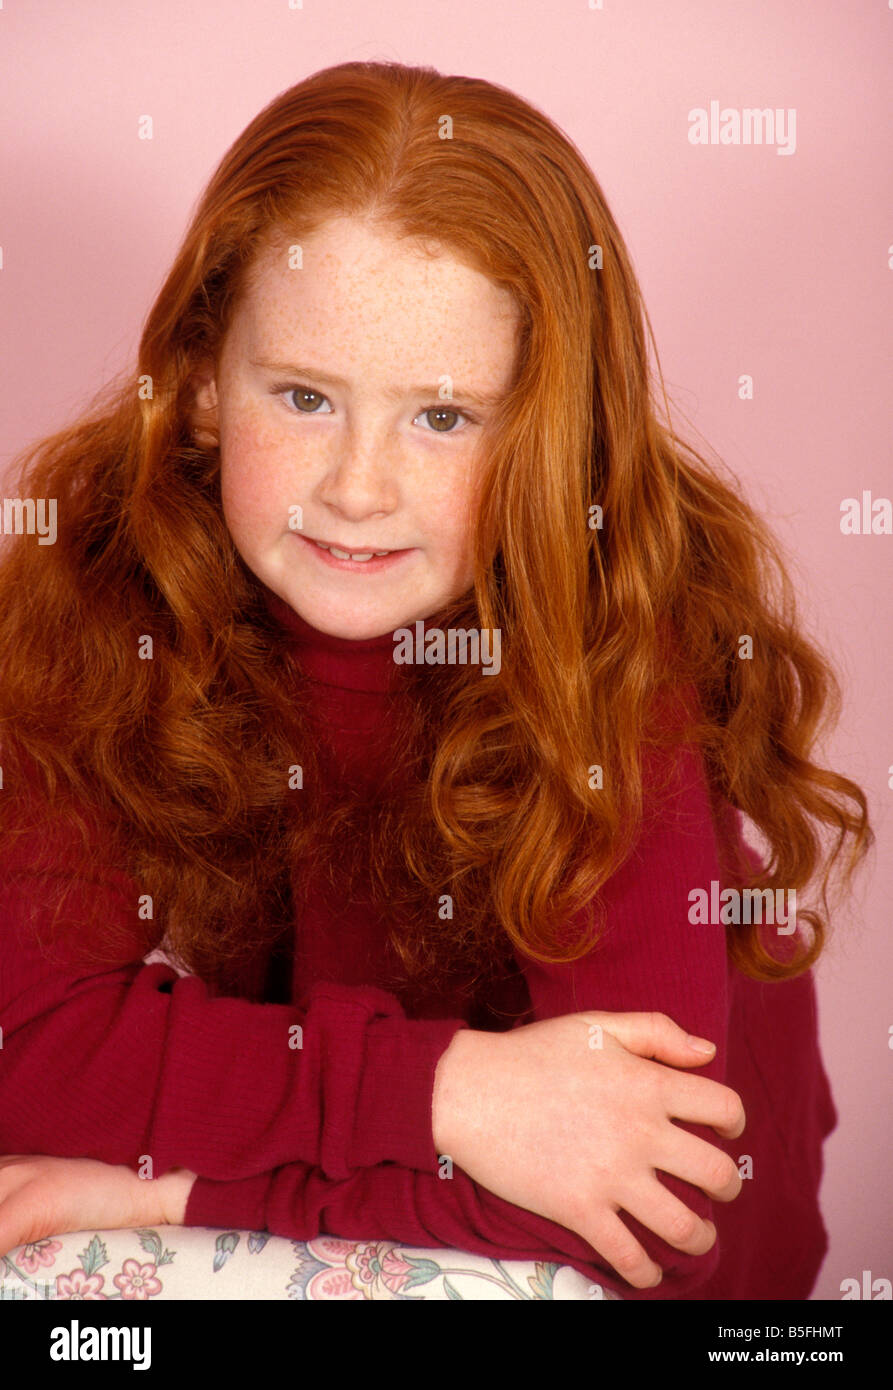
{"x":132,"y":1060}
{"x":649,"y":957}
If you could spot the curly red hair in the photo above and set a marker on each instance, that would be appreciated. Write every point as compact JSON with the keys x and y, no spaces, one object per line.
{"x":182,"y":759}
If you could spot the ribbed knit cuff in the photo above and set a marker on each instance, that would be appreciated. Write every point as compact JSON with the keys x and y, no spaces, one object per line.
{"x":395,"y":1123}
{"x":234,"y":1206}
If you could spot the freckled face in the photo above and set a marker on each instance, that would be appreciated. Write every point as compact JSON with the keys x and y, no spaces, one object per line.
{"x":363,"y":433}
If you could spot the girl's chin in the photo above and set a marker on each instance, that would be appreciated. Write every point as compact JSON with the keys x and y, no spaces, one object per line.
{"x":345,"y":621}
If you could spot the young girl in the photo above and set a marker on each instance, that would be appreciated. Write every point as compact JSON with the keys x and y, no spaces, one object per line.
{"x":397,"y":672}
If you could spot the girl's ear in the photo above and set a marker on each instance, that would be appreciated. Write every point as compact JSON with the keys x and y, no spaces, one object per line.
{"x":203,"y":416}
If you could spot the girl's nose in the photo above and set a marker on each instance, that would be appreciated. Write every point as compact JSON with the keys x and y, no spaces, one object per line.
{"x":360,"y":481}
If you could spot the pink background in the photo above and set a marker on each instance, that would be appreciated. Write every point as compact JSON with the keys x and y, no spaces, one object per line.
{"x":750,"y":262}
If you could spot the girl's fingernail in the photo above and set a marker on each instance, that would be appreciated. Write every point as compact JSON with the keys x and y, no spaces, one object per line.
{"x":700,"y":1044}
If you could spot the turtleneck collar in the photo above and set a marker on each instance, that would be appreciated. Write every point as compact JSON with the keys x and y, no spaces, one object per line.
{"x":343,"y":662}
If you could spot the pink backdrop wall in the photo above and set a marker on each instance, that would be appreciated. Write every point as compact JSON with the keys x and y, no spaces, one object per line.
{"x":751,"y":261}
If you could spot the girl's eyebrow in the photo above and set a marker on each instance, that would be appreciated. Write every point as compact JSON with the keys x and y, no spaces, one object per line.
{"x":392,"y":393}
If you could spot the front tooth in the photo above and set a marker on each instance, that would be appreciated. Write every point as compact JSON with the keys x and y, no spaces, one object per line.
{"x":349,"y":555}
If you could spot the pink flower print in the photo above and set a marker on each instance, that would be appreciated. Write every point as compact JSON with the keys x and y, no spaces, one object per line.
{"x":334,"y":1284}
{"x":378,"y":1268}
{"x":40,"y":1252}
{"x":356,"y":1269}
{"x":77,"y":1284}
{"x":137,"y":1281}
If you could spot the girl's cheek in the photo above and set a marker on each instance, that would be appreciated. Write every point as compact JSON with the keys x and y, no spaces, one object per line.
{"x":239,"y":498}
{"x":253,"y":485}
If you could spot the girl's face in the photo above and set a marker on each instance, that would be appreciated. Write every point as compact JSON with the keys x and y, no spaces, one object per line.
{"x":325,"y":400}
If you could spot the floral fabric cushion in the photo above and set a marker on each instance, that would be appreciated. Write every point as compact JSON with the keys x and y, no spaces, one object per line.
{"x":182,"y":1262}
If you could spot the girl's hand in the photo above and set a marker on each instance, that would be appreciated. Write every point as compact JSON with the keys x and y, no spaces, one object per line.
{"x":43,"y":1196}
{"x":574,"y":1132}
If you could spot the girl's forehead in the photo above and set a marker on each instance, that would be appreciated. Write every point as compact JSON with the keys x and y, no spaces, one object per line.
{"x":337,"y":244}
{"x":351,"y":279}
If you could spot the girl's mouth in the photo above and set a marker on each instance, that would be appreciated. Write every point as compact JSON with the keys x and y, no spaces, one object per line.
{"x":356,"y":560}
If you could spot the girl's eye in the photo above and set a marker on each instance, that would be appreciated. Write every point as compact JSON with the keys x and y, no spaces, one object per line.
{"x":302,"y":392}
{"x":441,"y":411}
{"x":307,"y":401}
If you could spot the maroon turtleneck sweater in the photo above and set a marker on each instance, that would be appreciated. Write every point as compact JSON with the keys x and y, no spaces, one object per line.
{"x":336,"y":1136}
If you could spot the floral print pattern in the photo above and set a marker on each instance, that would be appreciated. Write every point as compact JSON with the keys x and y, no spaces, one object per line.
{"x":42,"y":1252}
{"x":255,"y":1265}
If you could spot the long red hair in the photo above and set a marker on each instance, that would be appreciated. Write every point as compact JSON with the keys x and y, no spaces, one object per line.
{"x":183,"y":758}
